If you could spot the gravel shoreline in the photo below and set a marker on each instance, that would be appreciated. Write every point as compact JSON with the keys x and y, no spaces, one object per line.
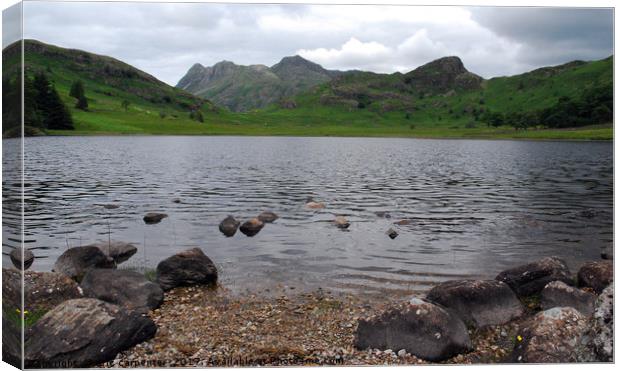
{"x":201,"y":326}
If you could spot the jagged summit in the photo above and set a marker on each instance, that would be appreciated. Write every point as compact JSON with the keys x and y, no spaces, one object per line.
{"x":442,"y":75}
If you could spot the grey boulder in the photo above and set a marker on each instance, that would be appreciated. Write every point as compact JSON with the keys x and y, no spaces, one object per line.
{"x":596,"y":275}
{"x":84,"y":333}
{"x":186,"y":268}
{"x":602,"y":329}
{"x":42,"y":290}
{"x":530,"y":279}
{"x":76,"y":261}
{"x":118,"y":251}
{"x":559,"y":294}
{"x":478,"y":303}
{"x":421,"y":328}
{"x":122,"y":287}
{"x":229,"y":226}
{"x":553,"y":336}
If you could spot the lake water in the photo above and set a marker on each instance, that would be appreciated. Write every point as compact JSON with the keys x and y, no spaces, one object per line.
{"x":475,"y":207}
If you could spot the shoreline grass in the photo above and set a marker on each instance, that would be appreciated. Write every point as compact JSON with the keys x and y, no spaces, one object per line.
{"x":589,"y":133}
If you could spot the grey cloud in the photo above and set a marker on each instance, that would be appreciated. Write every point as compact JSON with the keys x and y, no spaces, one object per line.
{"x":166,"y":39}
{"x":11,"y":25}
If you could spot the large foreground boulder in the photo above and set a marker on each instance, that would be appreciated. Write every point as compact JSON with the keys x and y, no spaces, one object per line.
{"x":122,"y":287}
{"x":559,"y":294}
{"x":421,"y":328}
{"x":118,"y":251}
{"x":530,"y":279}
{"x":602,"y":329}
{"x":189,"y":267}
{"x":84,"y":333}
{"x":596,"y":274}
{"x":478,"y":303}
{"x":42,"y":290}
{"x":76,"y":261}
{"x":553,"y":336}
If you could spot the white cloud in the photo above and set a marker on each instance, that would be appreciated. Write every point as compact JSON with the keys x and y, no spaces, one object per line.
{"x":165,"y":39}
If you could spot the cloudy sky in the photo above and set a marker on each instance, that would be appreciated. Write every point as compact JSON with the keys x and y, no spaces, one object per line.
{"x":166,"y":39}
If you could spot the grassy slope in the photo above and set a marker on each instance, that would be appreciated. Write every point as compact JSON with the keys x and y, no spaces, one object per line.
{"x":435,"y":116}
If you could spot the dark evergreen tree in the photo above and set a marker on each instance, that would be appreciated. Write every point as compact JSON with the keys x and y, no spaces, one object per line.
{"x":77,"y":92}
{"x":54,"y":113}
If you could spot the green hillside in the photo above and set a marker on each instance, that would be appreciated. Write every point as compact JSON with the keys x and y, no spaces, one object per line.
{"x":440,"y":99}
{"x":151,"y":105}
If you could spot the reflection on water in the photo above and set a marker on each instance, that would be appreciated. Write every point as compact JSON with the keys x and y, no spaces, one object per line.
{"x":472,"y":207}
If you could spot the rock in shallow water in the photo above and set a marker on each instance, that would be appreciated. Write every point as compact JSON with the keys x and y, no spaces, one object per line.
{"x":251,"y":227}
{"x":422,"y":329}
{"x":478,"y":303}
{"x":596,"y":274}
{"x":84,"y":333}
{"x":122,"y":287}
{"x":267,"y":217}
{"x":392,"y":233}
{"x":341,"y":222}
{"x":559,"y":294}
{"x":154,"y":218}
{"x":530,"y":279}
{"x":315,"y":205}
{"x":229,"y":226}
{"x":186,"y":268}
{"x":76,"y":261}
{"x":20,"y":256}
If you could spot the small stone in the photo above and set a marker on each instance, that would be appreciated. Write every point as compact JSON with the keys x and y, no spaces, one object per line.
{"x":402,"y":353}
{"x":341,"y":222}
{"x":154,"y":218}
{"x":315,"y":205}
{"x":20,"y":255}
{"x":392,"y":233}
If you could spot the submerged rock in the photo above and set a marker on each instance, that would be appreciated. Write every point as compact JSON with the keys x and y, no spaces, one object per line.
{"x":251,"y":227}
{"x":186,"y":268}
{"x":553,"y":336}
{"x":267,"y":217}
{"x":420,"y":328}
{"x":596,"y":274}
{"x":84,"y":333}
{"x":392,"y":233}
{"x":559,"y":294}
{"x":154,"y":218}
{"x":76,"y":261}
{"x":315,"y":205}
{"x":42,"y":290}
{"x":18,"y":259}
{"x":530,"y":279}
{"x":607,"y":252}
{"x":118,"y":251}
{"x":478,"y":303}
{"x":229,"y":226}
{"x":122,"y":287}
{"x":341,"y":222}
